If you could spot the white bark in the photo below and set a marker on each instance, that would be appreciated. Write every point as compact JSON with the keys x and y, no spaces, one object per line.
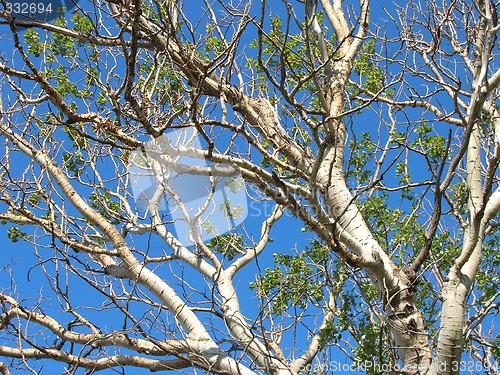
{"x":198,"y":340}
{"x":308,"y":181}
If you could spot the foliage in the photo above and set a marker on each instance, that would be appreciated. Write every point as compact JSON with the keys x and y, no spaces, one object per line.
{"x":367,"y":151}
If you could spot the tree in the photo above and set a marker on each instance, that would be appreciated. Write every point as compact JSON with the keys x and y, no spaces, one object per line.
{"x":376,"y":130}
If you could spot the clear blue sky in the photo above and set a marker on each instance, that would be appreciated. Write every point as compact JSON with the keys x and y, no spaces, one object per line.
{"x":288,"y":235}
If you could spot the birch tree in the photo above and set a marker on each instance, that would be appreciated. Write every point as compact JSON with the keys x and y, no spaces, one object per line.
{"x":374,"y":131}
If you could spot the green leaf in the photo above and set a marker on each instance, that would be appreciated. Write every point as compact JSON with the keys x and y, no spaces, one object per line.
{"x":15,"y":234}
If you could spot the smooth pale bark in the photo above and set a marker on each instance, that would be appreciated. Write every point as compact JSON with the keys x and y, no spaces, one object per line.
{"x":406,"y":322}
{"x":481,"y":206}
{"x":394,"y":285}
{"x":322,"y":176}
{"x":199,"y":341}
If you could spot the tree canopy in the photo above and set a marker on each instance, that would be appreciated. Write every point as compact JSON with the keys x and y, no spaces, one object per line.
{"x":250,"y":187}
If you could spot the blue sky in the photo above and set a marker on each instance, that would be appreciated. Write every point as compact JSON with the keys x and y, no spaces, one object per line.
{"x":288,"y":235}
